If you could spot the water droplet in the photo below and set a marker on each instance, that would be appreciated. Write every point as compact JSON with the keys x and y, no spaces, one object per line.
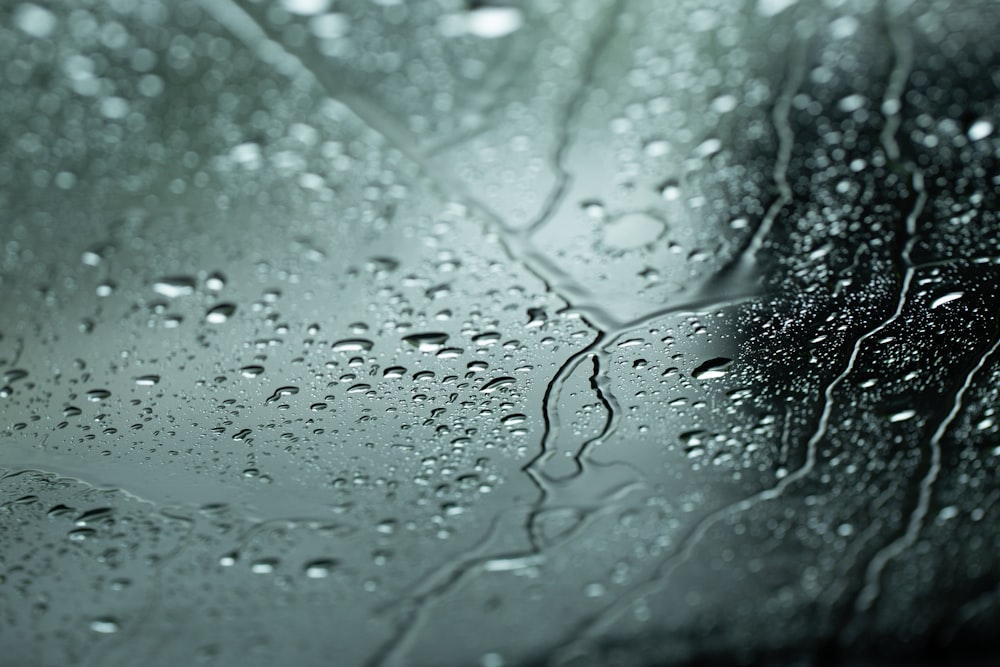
{"x":488,"y":22}
{"x":14,"y":375}
{"x":81,"y":534}
{"x":486,"y":339}
{"x":97,"y":395}
{"x":394,"y":372}
{"x":497,"y":383}
{"x":947,"y":298}
{"x":536,"y":318}
{"x":981,"y":129}
{"x":427,"y":342}
{"x":215,"y":282}
{"x":632,"y":231}
{"x":147,"y":380}
{"x":280,"y":392}
{"x":670,"y":190}
{"x":353,"y":345}
{"x":264,"y":566}
{"x":713,"y":368}
{"x":330,"y":26}
{"x":594,"y":209}
{"x":377,"y":264}
{"x":59,"y":510}
{"x":91,"y":257}
{"x":220,"y":313}
{"x":104,"y":626}
{"x":251,"y":371}
{"x":320,"y":569}
{"x":174,"y":287}
{"x":96,"y":515}
{"x":306,"y":7}
{"x":902,"y":415}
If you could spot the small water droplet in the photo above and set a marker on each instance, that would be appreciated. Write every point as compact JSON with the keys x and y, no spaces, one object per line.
{"x":147,"y":380}
{"x":215,"y":282}
{"x":670,"y":190}
{"x":594,"y":209}
{"x":220,"y":313}
{"x":104,"y":626}
{"x":378,"y":264}
{"x":264,"y":566}
{"x":251,"y":371}
{"x":320,"y":569}
{"x":81,"y":534}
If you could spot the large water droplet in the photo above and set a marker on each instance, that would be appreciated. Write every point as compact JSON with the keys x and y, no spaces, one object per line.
{"x":353,"y":345}
{"x":981,"y":129}
{"x":713,"y":368}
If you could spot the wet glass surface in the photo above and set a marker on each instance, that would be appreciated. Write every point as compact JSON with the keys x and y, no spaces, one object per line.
{"x":445,"y":333}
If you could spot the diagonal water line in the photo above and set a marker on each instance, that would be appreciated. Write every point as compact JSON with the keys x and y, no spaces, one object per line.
{"x":884,"y":556}
{"x":567,"y":122}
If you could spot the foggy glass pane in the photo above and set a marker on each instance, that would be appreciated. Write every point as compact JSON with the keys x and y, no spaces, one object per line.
{"x":390,"y":333}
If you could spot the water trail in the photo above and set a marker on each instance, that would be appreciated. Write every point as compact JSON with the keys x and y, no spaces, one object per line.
{"x":565,"y":124}
{"x":873,"y":575}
